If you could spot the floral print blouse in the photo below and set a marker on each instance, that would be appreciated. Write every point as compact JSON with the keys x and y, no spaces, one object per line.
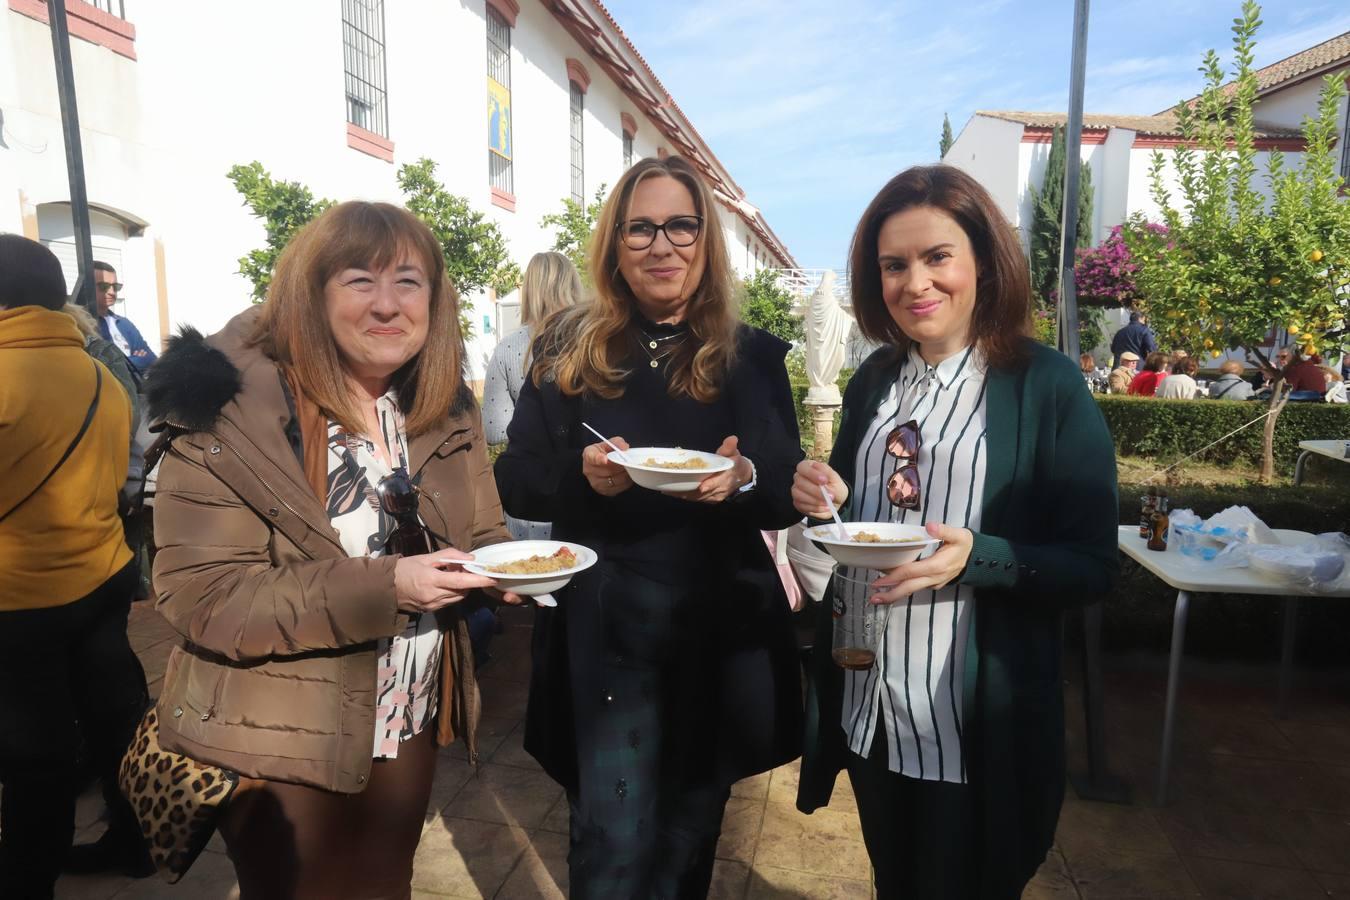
{"x":407,"y":665}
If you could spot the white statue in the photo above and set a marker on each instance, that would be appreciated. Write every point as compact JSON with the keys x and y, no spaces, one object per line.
{"x":827,"y":329}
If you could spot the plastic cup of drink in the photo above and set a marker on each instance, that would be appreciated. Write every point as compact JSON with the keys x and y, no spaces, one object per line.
{"x":859,"y":626}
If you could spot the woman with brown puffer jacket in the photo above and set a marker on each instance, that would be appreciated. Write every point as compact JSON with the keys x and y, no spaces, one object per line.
{"x":317,"y":663}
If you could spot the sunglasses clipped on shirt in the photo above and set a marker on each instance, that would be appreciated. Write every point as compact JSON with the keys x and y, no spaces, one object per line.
{"x":903,"y":488}
{"x":398,"y":498}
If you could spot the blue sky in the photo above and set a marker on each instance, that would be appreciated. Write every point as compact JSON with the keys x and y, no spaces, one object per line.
{"x":812,"y":105}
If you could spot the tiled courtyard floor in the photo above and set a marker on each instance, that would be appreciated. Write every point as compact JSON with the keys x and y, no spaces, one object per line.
{"x":1260,"y":807}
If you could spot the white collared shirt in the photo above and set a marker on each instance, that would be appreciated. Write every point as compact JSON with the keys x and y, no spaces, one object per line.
{"x":914,"y":687}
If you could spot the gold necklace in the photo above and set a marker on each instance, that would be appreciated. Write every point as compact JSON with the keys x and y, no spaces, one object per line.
{"x":652,"y":343}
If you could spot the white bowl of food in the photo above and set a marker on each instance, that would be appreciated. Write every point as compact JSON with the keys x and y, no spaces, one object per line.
{"x":873,"y":545}
{"x":669,"y":468}
{"x":531,"y":568}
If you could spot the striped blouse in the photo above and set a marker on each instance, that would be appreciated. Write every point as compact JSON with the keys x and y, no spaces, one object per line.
{"x":913,"y":689}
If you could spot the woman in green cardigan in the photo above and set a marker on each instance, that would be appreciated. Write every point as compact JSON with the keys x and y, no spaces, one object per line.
{"x":954,"y":739}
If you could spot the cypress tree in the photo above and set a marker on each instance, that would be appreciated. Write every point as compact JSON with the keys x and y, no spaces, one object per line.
{"x":1047,"y":211}
{"x":945,"y":143}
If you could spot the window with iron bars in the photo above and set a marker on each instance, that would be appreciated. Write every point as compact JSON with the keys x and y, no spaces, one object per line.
{"x":111,"y":7}
{"x":363,"y":64}
{"x":578,"y":144}
{"x":500,"y":175}
{"x":627,"y":150}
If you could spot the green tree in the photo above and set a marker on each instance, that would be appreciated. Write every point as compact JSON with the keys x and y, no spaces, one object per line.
{"x":475,"y":250}
{"x":283,"y":206}
{"x":573,"y":228}
{"x":767,"y":304}
{"x":1230,"y":263}
{"x":1047,"y":220}
{"x":947,"y":140}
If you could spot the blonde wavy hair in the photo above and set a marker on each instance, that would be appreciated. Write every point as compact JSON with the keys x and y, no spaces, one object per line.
{"x":583,"y":348}
{"x":551,"y":283}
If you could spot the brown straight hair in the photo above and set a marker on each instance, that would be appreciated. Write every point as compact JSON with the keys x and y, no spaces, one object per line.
{"x":583,"y":347}
{"x":1002,"y":317}
{"x":293,"y":328}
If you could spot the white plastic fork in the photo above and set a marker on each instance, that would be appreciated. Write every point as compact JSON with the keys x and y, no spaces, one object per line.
{"x":622,"y":455}
{"x":842,"y":532}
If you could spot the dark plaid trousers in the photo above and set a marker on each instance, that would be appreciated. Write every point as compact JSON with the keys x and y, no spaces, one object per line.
{"x":647,"y":810}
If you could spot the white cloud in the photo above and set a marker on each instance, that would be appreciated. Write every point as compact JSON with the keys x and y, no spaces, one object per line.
{"x":813,"y":105}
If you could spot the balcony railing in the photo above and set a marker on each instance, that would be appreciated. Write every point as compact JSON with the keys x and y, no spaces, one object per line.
{"x":803,"y":283}
{"x":111,"y":7}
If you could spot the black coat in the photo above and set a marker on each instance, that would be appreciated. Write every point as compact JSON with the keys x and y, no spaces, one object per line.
{"x":707,"y":564}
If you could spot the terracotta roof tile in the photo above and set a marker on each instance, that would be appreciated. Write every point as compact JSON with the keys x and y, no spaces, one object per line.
{"x":1325,"y":55}
{"x":1164,"y":125}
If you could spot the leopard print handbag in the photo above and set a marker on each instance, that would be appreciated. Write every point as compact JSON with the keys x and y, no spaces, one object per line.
{"x":177,"y":800}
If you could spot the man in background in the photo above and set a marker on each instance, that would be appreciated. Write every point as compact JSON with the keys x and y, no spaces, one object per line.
{"x":1119,"y":380}
{"x":1135,"y":337}
{"x":115,"y":328}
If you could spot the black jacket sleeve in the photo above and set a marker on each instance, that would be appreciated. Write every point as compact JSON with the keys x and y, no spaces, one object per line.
{"x":540,"y":473}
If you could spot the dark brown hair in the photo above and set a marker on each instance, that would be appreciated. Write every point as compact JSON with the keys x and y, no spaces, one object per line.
{"x":293,"y":328}
{"x":1002,"y":316}
{"x":30,"y":274}
{"x":1156,"y":362}
{"x":1185,"y":366}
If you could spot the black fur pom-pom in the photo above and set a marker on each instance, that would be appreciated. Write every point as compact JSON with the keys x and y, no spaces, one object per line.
{"x":191,"y":382}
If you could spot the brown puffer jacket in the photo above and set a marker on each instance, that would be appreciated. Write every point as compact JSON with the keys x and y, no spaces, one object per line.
{"x":275,"y":677}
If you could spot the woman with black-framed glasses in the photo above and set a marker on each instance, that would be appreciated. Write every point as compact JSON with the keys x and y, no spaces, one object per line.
{"x":668,"y":671}
{"x":325,"y":480}
{"x":954,"y":738}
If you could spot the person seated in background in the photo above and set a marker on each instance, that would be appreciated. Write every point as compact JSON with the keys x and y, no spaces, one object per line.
{"x":1307,"y":381}
{"x":1087,"y":364}
{"x":1119,"y":380}
{"x":1230,"y":384}
{"x":1181,"y":386}
{"x":1335,"y":386}
{"x":1146,"y":383}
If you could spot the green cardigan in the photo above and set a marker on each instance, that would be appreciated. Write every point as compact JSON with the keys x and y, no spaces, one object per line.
{"x":1047,"y":542}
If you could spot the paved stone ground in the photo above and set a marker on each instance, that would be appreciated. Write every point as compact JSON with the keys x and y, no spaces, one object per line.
{"x":1261,"y":807}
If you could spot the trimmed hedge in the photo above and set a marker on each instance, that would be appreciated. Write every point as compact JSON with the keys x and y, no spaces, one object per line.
{"x":1138,"y":613}
{"x":1169,"y":429}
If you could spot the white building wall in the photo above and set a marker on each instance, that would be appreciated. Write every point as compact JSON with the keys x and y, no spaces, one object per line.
{"x":265,"y":82}
{"x":1031,"y":162}
{"x":988,"y":150}
{"x":1288,"y":106}
{"x":1112,"y":180}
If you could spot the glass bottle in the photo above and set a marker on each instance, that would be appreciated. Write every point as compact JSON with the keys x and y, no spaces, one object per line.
{"x":1157,"y":539}
{"x":1147,"y":504}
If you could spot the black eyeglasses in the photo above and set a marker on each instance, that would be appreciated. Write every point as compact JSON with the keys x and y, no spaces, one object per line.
{"x":101,"y":286}
{"x":681,"y":231}
{"x":903,"y":488}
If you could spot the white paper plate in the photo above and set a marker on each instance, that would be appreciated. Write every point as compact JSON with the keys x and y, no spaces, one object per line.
{"x":900,"y":544}
{"x":660,"y":479}
{"x":529,"y":585}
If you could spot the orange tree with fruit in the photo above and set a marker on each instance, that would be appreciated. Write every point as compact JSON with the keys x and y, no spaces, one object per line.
{"x":1233,"y":261}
